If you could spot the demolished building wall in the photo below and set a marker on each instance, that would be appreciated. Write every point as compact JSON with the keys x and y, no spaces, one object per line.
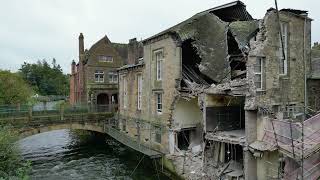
{"x":280,"y":91}
{"x":210,"y":66}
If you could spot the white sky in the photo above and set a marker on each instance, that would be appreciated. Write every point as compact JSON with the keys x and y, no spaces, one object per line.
{"x":38,"y":29}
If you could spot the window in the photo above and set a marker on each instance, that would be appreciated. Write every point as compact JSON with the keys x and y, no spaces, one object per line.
{"x":124,"y":125}
{"x":159,"y":102}
{"x":292,"y":111}
{"x":99,"y":76}
{"x":113,"y":77}
{"x":259,"y":73}
{"x":283,"y":68}
{"x":139,"y":91}
{"x":157,"y":134}
{"x":103,"y":58}
{"x":159,"y":61}
{"x":125,"y":98}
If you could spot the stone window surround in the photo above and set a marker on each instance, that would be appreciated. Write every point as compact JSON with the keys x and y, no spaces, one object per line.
{"x":139,"y":90}
{"x":259,"y":70}
{"x":125,"y":93}
{"x":113,"y":77}
{"x":159,"y":57}
{"x":104,"y":58}
{"x":99,"y":76}
{"x":159,"y":104}
{"x":283,"y":66}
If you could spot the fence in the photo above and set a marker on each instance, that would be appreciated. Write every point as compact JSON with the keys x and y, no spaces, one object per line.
{"x":19,"y":111}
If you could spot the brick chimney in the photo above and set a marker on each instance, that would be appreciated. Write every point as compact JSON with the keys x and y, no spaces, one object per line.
{"x":73,"y":67}
{"x":81,"y":45}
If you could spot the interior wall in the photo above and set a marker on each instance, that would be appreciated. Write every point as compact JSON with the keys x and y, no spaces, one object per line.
{"x":187,"y":113}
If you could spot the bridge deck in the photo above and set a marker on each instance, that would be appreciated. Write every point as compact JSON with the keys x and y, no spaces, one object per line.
{"x":130,"y":142}
{"x":38,"y":121}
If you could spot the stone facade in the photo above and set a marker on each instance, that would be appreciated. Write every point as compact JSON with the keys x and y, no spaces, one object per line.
{"x":223,"y":79}
{"x":94,"y":79}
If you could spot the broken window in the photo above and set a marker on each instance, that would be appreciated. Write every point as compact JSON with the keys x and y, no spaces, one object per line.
{"x":159,"y":102}
{"x":224,"y":118}
{"x":159,"y":62}
{"x":283,"y":68}
{"x":184,"y":139}
{"x":139,"y":97}
{"x":99,"y":76}
{"x":259,"y":73}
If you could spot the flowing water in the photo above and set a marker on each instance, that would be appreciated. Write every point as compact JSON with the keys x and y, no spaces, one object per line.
{"x":64,"y":154}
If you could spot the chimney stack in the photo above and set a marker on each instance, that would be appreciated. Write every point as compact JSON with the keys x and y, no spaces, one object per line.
{"x":81,"y":44}
{"x":133,"y":51}
{"x":73,"y":67}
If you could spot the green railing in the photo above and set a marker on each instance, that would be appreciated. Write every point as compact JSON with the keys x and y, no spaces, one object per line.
{"x":20,"y":111}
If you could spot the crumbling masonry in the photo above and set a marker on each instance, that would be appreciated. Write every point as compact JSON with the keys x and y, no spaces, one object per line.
{"x":214,"y":92}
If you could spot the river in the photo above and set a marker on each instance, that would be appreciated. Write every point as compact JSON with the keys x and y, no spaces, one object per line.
{"x":64,"y":155}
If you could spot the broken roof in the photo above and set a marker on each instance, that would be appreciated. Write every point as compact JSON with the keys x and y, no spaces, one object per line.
{"x":229,"y":12}
{"x":243,"y":31}
{"x":296,"y":11}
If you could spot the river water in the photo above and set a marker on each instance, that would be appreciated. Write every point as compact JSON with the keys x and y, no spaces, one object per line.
{"x":65,"y":154}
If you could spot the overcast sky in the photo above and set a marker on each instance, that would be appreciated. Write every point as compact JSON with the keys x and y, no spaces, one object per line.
{"x":38,"y":29}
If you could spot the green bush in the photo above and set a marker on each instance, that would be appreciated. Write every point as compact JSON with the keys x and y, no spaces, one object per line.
{"x":11,"y":164}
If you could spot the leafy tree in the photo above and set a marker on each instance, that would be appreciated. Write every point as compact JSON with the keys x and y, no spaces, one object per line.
{"x":46,"y":79}
{"x":13,"y":89}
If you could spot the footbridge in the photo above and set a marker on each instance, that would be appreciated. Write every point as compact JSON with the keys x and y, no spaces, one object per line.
{"x":27,"y":122}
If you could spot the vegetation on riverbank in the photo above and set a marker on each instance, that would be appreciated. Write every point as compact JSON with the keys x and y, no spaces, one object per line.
{"x":11,"y":164}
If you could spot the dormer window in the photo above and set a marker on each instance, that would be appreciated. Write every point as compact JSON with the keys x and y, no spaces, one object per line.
{"x":103,"y":58}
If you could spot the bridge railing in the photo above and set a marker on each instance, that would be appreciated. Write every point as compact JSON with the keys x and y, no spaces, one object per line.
{"x":22,"y":111}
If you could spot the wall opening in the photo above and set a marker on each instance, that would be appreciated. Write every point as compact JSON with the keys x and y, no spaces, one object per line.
{"x":102,"y":99}
{"x":190,"y":65}
{"x":184,"y":139}
{"x":102,"y":102}
{"x":236,"y":59}
{"x":227,"y":114}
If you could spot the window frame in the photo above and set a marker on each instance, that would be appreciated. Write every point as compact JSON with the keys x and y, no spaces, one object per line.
{"x":114,"y":77}
{"x":260,"y":73}
{"x":105,"y":58}
{"x":99,"y":73}
{"x":283,"y":69}
{"x":159,"y":64}
{"x":125,"y":93}
{"x":157,"y":134}
{"x":159,"y":104}
{"x":139,"y":91}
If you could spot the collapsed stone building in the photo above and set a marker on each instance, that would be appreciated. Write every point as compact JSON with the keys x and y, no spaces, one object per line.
{"x":94,"y":79}
{"x":223,"y":95}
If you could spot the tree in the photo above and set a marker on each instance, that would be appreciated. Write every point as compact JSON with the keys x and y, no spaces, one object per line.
{"x":13,"y":89}
{"x":46,"y":79}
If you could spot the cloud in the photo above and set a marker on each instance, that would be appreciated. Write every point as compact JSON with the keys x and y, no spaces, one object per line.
{"x":38,"y":29}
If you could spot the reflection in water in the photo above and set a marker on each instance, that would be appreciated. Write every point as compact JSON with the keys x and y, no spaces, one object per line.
{"x":64,"y":154}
